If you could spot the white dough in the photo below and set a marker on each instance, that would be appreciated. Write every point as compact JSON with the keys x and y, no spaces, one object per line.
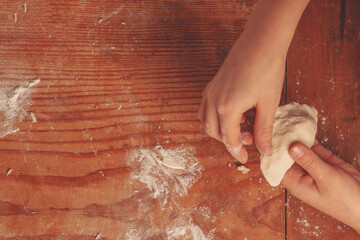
{"x":293,"y":123}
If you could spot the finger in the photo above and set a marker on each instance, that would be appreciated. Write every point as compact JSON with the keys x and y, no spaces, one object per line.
{"x":246,"y":138}
{"x":308,"y":160}
{"x":321,"y":151}
{"x":202,"y":110}
{"x":263,"y":127}
{"x":295,"y":176}
{"x":334,"y":160}
{"x":212,"y":127}
{"x":326,"y":155}
{"x":299,"y":183}
{"x":292,"y":175}
{"x":230,"y":129}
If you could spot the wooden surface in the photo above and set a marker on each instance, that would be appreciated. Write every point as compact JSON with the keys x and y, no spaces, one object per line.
{"x":323,"y":70}
{"x":116,"y":77}
{"x":120,"y":76}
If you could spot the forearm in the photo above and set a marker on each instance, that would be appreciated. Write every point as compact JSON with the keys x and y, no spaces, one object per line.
{"x":272,"y":24}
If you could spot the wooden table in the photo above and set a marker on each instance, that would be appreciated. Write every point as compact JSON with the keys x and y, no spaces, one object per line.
{"x":120,"y":84}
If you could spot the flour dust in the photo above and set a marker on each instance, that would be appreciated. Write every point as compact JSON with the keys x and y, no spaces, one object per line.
{"x":13,"y":103}
{"x":168,"y":175}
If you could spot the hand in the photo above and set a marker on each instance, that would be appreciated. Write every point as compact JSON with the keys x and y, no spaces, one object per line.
{"x":251,"y":76}
{"x":325,"y":182}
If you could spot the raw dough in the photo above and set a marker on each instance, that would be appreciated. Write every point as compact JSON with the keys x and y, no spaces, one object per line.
{"x":243,"y":169}
{"x":293,"y":123}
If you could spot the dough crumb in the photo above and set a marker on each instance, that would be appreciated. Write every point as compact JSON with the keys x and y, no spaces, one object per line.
{"x":243,"y":169}
{"x":33,"y":118}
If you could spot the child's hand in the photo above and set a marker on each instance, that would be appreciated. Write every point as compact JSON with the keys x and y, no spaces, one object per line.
{"x":251,"y":76}
{"x":325,"y":182}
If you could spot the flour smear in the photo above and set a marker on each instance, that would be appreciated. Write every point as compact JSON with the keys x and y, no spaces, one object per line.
{"x":13,"y":103}
{"x":190,"y":231}
{"x":168,"y":174}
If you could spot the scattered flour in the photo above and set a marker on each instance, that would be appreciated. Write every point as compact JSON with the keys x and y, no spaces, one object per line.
{"x":189,"y":231}
{"x":167,"y":173}
{"x":33,"y":117}
{"x":13,"y":103}
{"x":116,"y":11}
{"x":204,"y":211}
{"x":138,"y":234}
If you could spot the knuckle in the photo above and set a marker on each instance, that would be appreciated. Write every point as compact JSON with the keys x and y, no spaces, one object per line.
{"x":308,"y":162}
{"x":264,"y":133}
{"x":223,"y":107}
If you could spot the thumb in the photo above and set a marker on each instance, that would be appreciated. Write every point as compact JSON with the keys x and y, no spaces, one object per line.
{"x":308,"y":160}
{"x":263,"y":128}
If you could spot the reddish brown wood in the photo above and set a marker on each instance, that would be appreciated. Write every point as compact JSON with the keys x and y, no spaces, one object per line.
{"x":70,"y":177}
{"x":323,"y":71}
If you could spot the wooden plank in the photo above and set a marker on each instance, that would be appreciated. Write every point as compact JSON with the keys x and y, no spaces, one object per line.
{"x":323,"y":71}
{"x":118,"y":78}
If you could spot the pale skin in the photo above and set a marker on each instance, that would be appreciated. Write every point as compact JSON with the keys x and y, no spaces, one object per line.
{"x":252,"y":77}
{"x":325,"y":182}
{"x":255,"y":63}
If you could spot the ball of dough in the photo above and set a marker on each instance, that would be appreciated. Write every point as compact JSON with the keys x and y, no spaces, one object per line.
{"x":293,"y":123}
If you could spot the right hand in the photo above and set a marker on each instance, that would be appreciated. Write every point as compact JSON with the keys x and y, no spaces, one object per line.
{"x":251,"y":76}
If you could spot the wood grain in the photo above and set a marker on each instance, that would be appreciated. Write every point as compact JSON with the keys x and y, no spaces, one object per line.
{"x":118,"y":76}
{"x":323,"y":71}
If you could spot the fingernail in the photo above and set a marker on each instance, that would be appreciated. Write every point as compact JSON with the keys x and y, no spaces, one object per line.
{"x":297,"y":151}
{"x":267,"y":149}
